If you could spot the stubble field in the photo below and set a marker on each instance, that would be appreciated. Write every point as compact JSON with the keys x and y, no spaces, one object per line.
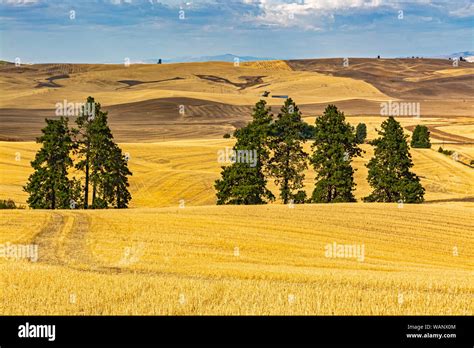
{"x":241,"y":260}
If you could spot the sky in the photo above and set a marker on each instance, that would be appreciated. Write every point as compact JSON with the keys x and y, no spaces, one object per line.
{"x":109,"y":31}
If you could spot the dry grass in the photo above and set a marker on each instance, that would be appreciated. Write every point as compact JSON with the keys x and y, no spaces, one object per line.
{"x":185,"y":261}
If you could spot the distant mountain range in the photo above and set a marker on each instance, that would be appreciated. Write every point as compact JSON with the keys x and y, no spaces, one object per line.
{"x":231,"y":58}
{"x":218,"y":58}
{"x":457,"y":55}
{"x":467,"y":55}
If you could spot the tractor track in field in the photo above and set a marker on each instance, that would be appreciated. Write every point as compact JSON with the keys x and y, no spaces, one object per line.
{"x":62,"y":242}
{"x":47,"y":237}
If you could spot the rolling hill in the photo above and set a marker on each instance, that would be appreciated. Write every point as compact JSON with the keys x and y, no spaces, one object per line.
{"x":144,"y":101}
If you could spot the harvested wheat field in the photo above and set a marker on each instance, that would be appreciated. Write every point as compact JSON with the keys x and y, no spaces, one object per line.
{"x":236,"y":260}
{"x":175,"y":252}
{"x":43,"y":85}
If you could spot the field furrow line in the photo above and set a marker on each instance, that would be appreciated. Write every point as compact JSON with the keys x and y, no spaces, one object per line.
{"x":47,"y":240}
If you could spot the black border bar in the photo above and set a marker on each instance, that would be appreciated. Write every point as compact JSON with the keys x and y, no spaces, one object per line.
{"x":250,"y":330}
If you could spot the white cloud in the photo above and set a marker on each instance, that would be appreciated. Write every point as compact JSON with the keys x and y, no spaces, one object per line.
{"x":120,"y":2}
{"x":305,"y":13}
{"x":18,"y":2}
{"x":466,"y":11}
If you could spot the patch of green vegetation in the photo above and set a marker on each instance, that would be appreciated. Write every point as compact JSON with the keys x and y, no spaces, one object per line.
{"x":445,"y":152}
{"x":9,"y":204}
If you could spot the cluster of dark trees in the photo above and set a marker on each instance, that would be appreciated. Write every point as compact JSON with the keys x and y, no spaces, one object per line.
{"x":279,"y":141}
{"x":445,"y":151}
{"x":421,"y":137}
{"x":98,"y":157}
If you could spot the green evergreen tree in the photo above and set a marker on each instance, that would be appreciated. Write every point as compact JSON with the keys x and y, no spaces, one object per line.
{"x":105,"y":167}
{"x":334,"y":146}
{"x":49,"y":186}
{"x":289,"y":161}
{"x":101,"y":157}
{"x":114,"y":186}
{"x":389,"y":169}
{"x":83,"y":136}
{"x":241,"y":182}
{"x":361,"y":133}
{"x":421,"y":137}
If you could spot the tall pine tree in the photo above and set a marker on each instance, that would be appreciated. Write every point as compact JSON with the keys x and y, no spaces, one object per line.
{"x":114,"y":186}
{"x":49,"y":186}
{"x":241,"y":182}
{"x":288,"y":159}
{"x":102,"y":161}
{"x":101,"y":157}
{"x":389,"y":169}
{"x":334,"y":146}
{"x":83,"y":135}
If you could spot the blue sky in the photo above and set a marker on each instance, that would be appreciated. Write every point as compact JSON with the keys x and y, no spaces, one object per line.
{"x":111,"y":30}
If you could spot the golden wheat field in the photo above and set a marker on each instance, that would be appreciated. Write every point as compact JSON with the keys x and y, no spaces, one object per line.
{"x":236,"y":260}
{"x":212,"y":81}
